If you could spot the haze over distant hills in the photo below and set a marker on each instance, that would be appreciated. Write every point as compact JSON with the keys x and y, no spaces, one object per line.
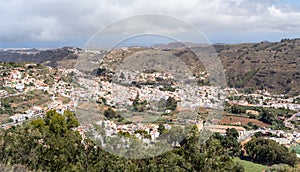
{"x":274,"y":66}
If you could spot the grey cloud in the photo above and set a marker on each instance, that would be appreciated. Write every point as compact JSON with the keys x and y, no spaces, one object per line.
{"x":55,"y":20}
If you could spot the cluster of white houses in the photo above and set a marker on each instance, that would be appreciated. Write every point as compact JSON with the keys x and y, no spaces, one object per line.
{"x":35,"y":111}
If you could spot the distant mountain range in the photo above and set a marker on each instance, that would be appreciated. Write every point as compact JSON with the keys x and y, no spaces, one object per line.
{"x":274,"y":66}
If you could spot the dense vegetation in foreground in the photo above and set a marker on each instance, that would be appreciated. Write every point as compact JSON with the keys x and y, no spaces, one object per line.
{"x":52,"y":144}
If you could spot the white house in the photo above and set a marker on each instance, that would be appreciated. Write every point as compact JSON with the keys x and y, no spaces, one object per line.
{"x":18,"y":117}
{"x":20,"y":86}
{"x":3,"y":93}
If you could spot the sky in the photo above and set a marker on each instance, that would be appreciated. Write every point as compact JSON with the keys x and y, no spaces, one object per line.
{"x":57,"y":23}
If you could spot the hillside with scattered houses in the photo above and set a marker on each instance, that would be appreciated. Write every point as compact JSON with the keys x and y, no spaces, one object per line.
{"x":272,"y":66}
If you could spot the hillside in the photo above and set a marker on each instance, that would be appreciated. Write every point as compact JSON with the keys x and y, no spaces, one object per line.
{"x":249,"y":66}
{"x":271,"y":66}
{"x":50,"y":57}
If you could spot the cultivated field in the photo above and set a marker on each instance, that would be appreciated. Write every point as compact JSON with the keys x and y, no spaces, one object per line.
{"x":237,"y":120}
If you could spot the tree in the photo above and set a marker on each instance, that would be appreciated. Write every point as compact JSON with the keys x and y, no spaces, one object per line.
{"x":230,"y":141}
{"x":48,"y":144}
{"x":51,"y":144}
{"x":171,"y":103}
{"x":161,"y":128}
{"x":110,"y":113}
{"x":269,"y":152}
{"x":138,"y":105}
{"x":5,"y":104}
{"x":236,"y":109}
{"x":71,"y":120}
{"x":232,"y":132}
{"x":267,"y":116}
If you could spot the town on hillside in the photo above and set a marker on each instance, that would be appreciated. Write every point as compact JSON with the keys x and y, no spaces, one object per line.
{"x":145,"y":103}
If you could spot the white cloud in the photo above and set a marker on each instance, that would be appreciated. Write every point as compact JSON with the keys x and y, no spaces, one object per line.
{"x":56,"y":20}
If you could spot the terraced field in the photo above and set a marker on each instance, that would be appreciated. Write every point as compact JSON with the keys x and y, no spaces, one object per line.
{"x":237,"y":120}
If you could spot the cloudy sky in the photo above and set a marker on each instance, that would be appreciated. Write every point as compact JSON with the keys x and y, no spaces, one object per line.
{"x":55,"y":23}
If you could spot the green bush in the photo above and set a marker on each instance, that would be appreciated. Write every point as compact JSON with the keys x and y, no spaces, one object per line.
{"x":171,"y":104}
{"x":110,"y":113}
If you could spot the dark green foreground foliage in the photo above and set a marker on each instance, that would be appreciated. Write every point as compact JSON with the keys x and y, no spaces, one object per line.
{"x":269,"y":152}
{"x":50,"y":144}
